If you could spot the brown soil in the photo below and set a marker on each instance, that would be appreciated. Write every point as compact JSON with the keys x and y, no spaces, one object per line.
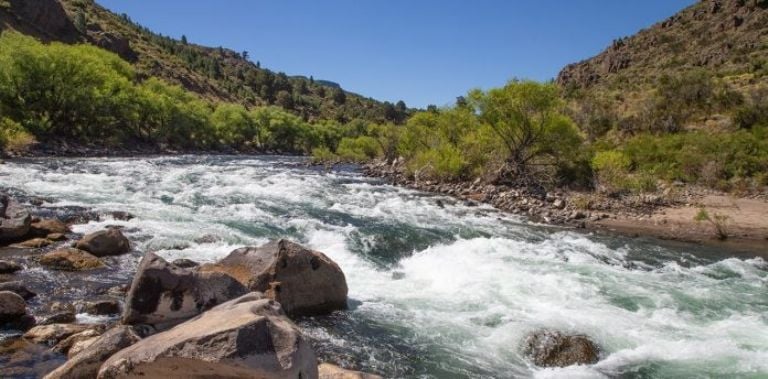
{"x":746,"y":223}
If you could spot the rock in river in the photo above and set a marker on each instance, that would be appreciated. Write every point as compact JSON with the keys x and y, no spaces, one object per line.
{"x":52,"y":334}
{"x":46,"y":226}
{"x":69,"y":259}
{"x":104,"y":243}
{"x":86,"y":363}
{"x":162,"y":293}
{"x":13,"y":311}
{"x":14,"y":220}
{"x":249,"y":337}
{"x":8,"y":267}
{"x":554,"y":349}
{"x":18,"y":288}
{"x":303,"y":281}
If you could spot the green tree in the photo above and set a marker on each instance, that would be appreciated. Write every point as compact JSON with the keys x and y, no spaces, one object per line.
{"x":527,"y":117}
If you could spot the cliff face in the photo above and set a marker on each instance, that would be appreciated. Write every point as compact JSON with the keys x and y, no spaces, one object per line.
{"x":729,"y":37}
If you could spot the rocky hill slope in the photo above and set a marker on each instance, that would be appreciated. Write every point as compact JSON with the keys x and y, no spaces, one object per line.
{"x":729,"y":37}
{"x":216,"y":73}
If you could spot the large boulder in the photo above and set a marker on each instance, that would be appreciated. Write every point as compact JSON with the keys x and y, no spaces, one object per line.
{"x":303,"y":281}
{"x":104,"y":243}
{"x":69,"y":259}
{"x":14,"y":220}
{"x":13,"y":311}
{"x":548,"y":348}
{"x":86,"y":363}
{"x":46,"y":226}
{"x":249,"y":337}
{"x":163,"y":294}
{"x":329,"y":371}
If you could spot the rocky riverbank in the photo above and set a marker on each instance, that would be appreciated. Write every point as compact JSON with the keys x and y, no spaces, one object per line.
{"x":669,"y":213}
{"x":232,"y":318}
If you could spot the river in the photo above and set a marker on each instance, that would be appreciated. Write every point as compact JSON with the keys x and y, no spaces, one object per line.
{"x":438,"y":288}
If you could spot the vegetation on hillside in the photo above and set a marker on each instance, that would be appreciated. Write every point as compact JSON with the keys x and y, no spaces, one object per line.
{"x":86,"y":95}
{"x":216,"y":74}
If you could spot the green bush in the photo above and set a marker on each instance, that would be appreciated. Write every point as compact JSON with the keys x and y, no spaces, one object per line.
{"x":13,"y":137}
{"x":358,"y":149}
{"x":611,"y":168}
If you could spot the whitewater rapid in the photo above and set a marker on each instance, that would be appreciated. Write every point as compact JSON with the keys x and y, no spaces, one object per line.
{"x":438,"y":289}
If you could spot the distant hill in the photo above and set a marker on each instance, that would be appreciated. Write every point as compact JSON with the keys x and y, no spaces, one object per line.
{"x":216,"y":73}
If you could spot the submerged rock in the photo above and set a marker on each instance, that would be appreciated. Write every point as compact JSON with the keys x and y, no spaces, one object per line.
{"x":8,"y":267}
{"x":69,"y":259}
{"x":14,"y":220}
{"x":548,"y":348}
{"x":105,"y":243}
{"x":162,"y":293}
{"x":18,"y":288}
{"x":86,"y":362}
{"x":329,"y":371}
{"x":249,"y":337}
{"x":303,"y":281}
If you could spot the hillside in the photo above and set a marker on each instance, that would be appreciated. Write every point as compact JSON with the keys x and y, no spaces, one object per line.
{"x":709,"y":59}
{"x":216,"y":73}
{"x":729,"y":37}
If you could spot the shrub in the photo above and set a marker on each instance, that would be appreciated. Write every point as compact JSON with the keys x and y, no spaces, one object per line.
{"x":718,"y":221}
{"x":611,"y":169}
{"x":13,"y":137}
{"x":358,"y":149}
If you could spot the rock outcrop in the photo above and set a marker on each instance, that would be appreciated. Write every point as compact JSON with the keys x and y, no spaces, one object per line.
{"x":86,"y":363}
{"x":249,"y":337}
{"x":69,"y":259}
{"x":105,"y":243}
{"x":164,"y":294}
{"x":554,"y":349}
{"x":303,"y":281}
{"x":14,"y":220}
{"x":44,"y":18}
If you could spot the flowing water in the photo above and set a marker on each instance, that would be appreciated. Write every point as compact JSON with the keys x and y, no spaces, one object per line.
{"x":438,"y":289}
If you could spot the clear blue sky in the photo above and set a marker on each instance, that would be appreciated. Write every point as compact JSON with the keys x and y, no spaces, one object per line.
{"x":421,"y":51}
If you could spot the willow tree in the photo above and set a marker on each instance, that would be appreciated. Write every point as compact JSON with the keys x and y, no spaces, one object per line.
{"x":537,"y":138}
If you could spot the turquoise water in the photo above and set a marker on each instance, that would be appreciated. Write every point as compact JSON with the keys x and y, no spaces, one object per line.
{"x":435,"y":292}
